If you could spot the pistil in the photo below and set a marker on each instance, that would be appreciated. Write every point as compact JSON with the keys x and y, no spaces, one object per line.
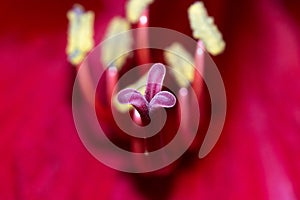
{"x":199,"y":64}
{"x":111,"y":82}
{"x":154,"y":98}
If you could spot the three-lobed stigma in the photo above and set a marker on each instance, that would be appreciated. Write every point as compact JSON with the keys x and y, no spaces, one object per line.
{"x":153,"y":98}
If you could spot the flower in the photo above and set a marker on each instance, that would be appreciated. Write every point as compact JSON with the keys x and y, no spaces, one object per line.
{"x":255,"y":158}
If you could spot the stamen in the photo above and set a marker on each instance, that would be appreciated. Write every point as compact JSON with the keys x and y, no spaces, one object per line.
{"x":135,"y":8}
{"x":115,"y":51}
{"x":86,"y":84}
{"x":80,"y":34}
{"x":142,"y":40}
{"x":143,"y":20}
{"x":183,"y":92}
{"x":183,"y":111}
{"x":199,"y":63}
{"x":182,"y":62}
{"x":111,"y":80}
{"x":204,"y":28}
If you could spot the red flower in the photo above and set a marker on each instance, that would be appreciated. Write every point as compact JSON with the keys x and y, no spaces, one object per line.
{"x":255,"y":158}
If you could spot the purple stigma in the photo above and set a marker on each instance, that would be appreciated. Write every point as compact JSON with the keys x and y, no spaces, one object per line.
{"x":154,"y":97}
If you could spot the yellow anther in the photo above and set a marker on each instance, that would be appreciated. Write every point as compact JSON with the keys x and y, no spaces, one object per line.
{"x":135,"y":8}
{"x":115,"y":50}
{"x":182,"y":62}
{"x":204,"y":28}
{"x":80,"y":34}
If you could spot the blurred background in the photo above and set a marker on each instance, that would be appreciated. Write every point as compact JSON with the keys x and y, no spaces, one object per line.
{"x":41,"y":156}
